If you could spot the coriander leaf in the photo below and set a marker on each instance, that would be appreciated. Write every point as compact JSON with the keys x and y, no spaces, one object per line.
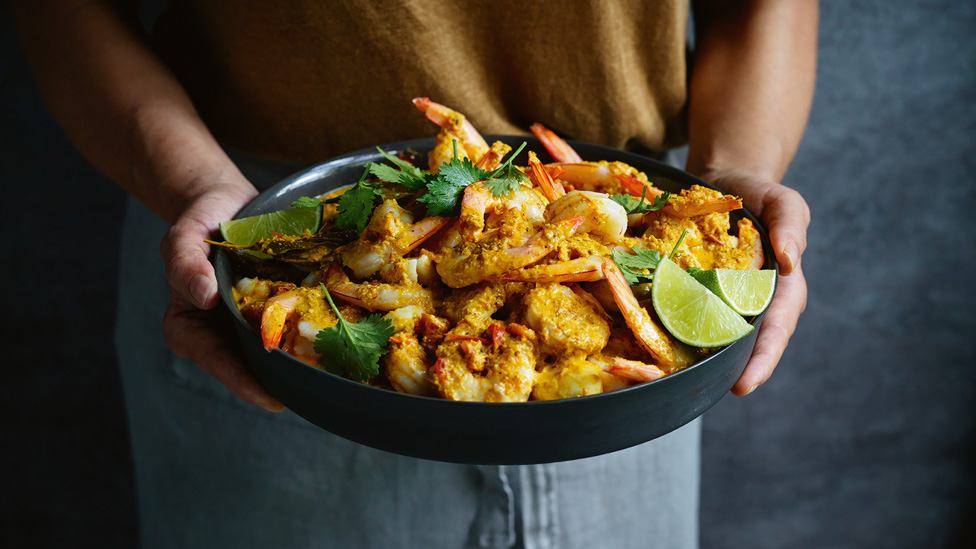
{"x":306,"y":202}
{"x":507,"y":182}
{"x":383,"y":171}
{"x":356,"y":205}
{"x":461,"y":172}
{"x":444,"y":189}
{"x":442,"y":197}
{"x":634,"y":205}
{"x":407,"y":175}
{"x":633,"y":265}
{"x":353,"y":349}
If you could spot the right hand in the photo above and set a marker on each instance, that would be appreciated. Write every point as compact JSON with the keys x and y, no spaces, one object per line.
{"x":786,"y":216}
{"x":193,"y":328}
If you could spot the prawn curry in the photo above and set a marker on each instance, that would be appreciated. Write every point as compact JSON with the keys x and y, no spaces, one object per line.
{"x":479,"y":280}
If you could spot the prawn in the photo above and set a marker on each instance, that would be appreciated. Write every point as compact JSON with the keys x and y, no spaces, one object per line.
{"x":575,"y":376}
{"x":558,"y":149}
{"x":566,"y":320}
{"x":672,"y":354}
{"x":496,"y":369}
{"x":377,"y":296}
{"x":470,"y":263}
{"x":302,"y":312}
{"x":544,"y":179}
{"x":605,"y":219}
{"x":390,"y":234}
{"x":619,"y":178}
{"x":479,"y":202}
{"x":455,"y":128}
{"x":406,"y":365}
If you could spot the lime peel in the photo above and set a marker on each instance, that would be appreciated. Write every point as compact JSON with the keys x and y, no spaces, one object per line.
{"x":747,"y":291}
{"x":248,"y":230}
{"x":690,"y":312}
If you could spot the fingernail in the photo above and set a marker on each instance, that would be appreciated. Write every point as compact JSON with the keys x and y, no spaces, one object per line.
{"x":791,"y":252}
{"x":201,"y":288}
{"x":751,"y":389}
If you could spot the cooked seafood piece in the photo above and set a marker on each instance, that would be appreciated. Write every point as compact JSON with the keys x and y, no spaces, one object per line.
{"x":474,"y":262}
{"x":478,"y":369}
{"x":556,"y":146}
{"x":406,"y":365}
{"x":390,"y":234}
{"x":457,"y":134}
{"x":305,"y":311}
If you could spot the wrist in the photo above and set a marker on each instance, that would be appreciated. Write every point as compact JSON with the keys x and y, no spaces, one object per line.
{"x":178,"y":161}
{"x":740,"y":182}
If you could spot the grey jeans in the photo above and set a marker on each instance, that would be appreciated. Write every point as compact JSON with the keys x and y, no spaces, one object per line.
{"x":212,"y":471}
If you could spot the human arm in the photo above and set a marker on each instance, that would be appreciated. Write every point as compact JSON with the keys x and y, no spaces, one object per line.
{"x":751,"y":90}
{"x":130,"y":117}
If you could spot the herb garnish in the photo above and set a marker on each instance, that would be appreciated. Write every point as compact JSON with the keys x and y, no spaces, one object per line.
{"x":306,"y":202}
{"x":444,"y":189}
{"x":639,"y":206}
{"x":507,"y":178}
{"x":356,"y":205}
{"x":633,"y":265}
{"x":643,"y":259}
{"x":353,"y":349}
{"x":407,"y":175}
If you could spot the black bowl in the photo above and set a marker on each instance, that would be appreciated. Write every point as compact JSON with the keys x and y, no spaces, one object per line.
{"x":475,"y":432}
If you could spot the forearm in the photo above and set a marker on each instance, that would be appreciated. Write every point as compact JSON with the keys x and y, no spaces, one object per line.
{"x":119,"y":104}
{"x":752,"y":85}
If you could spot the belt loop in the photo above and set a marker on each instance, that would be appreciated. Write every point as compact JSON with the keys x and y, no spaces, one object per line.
{"x":540,"y":510}
{"x":494,"y":523}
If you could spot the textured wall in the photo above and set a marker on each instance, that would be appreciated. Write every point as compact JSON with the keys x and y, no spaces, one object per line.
{"x":863,"y":438}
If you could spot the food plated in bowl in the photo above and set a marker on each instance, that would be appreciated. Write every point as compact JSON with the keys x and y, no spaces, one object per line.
{"x":515,"y":337}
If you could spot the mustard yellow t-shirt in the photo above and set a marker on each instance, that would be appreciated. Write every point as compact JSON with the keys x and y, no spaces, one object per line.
{"x":305,"y":80}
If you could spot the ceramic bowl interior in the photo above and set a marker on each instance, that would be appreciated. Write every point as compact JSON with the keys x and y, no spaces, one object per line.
{"x":473,"y":432}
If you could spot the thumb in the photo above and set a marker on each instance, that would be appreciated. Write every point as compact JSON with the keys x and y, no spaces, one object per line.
{"x":188,"y":268}
{"x":787,"y":217}
{"x":184,"y":251}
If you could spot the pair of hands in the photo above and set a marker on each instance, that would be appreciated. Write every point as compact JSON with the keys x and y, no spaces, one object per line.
{"x":195,"y":328}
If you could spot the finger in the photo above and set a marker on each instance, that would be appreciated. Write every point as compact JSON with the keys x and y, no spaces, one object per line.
{"x":787,"y":217}
{"x":186,"y":254}
{"x":777,"y":327}
{"x":188,"y":268}
{"x":781,"y":209}
{"x":196,"y":334}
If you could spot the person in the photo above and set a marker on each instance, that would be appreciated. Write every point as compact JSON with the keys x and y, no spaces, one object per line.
{"x":226,"y":97}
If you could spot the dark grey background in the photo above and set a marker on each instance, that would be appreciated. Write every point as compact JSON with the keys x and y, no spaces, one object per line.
{"x":863,"y":438}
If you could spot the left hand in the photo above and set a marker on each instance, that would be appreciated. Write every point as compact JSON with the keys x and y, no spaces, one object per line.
{"x":194,"y":327}
{"x":786,"y":216}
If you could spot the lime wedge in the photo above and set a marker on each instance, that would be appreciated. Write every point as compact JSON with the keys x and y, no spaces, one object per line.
{"x":747,"y":291}
{"x":692,"y":313}
{"x":248,"y":230}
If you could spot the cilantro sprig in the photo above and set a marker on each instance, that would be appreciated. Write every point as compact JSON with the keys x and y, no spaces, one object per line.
{"x":444,"y":190}
{"x":634,"y":205}
{"x":353,"y":349}
{"x":507,"y":178}
{"x":441,"y":193}
{"x":306,"y":202}
{"x":635,"y":265}
{"x":356,"y":205}
{"x":405,"y":173}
